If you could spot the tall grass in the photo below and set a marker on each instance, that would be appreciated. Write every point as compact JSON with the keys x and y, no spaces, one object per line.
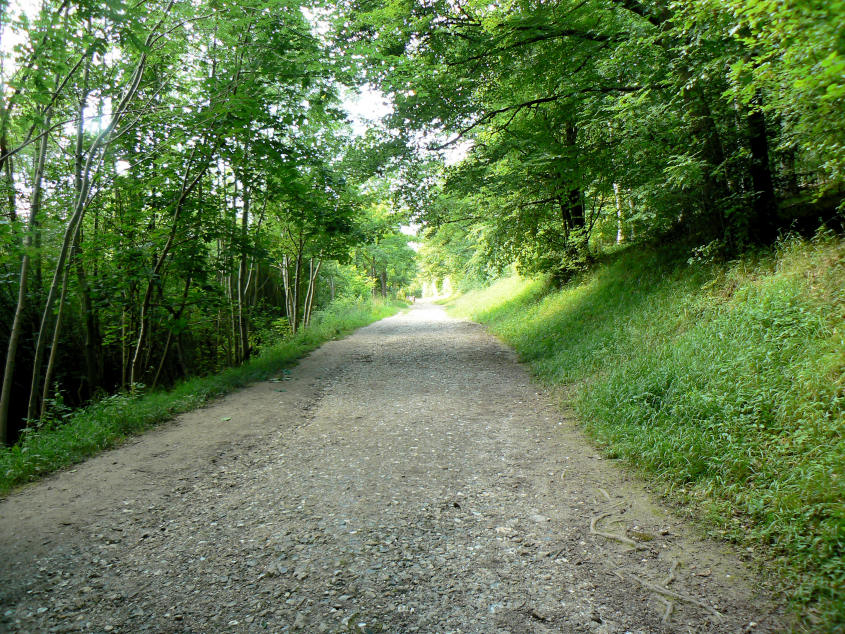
{"x":726,"y":382}
{"x":105,"y":423}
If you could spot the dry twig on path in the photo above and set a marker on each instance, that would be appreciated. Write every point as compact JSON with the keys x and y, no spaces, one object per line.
{"x":670,"y":605}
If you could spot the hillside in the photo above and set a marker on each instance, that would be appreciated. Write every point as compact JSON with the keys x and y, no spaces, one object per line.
{"x":723,"y":381}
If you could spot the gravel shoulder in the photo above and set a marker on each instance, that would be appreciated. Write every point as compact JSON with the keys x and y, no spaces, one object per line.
{"x":409,"y":478}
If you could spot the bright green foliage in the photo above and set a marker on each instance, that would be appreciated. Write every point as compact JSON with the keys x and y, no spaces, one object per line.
{"x":384,"y":256}
{"x":588,"y":123}
{"x":459,"y":254}
{"x":725,"y":381}
{"x":197,"y":176}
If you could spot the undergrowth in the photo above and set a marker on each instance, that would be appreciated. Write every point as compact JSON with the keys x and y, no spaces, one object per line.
{"x":105,"y":423}
{"x":726,"y":381}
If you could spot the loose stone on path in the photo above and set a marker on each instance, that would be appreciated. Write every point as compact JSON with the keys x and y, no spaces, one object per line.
{"x":410,"y":478}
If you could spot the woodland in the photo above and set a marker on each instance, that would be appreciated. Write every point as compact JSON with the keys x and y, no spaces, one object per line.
{"x":182,"y":186}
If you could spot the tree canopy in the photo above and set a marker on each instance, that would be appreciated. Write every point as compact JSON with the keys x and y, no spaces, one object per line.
{"x":602,"y":121}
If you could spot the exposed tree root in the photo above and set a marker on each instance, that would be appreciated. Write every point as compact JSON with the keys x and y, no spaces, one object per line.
{"x":671,"y":576}
{"x":614,"y":536}
{"x":670,"y":606}
{"x":676,"y":595}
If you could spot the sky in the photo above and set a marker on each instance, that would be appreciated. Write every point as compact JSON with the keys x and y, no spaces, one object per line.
{"x":366,"y":108}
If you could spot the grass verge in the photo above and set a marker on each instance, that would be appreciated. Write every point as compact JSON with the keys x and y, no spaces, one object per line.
{"x":105,"y":423}
{"x":724,"y":381}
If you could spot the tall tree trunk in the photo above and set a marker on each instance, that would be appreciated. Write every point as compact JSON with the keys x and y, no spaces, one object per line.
{"x":124,"y":356}
{"x":242,"y":276}
{"x":91,"y":334}
{"x":17,"y":320}
{"x":703,"y":128}
{"x":54,"y":350}
{"x":297,"y":282}
{"x":92,"y":337}
{"x":620,"y":215}
{"x":176,"y":315}
{"x":233,"y":322}
{"x":314,"y":271}
{"x":574,"y":198}
{"x":288,"y":292}
{"x":763,"y":225}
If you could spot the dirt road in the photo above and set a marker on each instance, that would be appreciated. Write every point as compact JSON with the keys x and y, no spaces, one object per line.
{"x":409,"y":478}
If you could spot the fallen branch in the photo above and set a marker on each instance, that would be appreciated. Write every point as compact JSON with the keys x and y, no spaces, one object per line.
{"x":670,"y":605}
{"x":671,"y":576}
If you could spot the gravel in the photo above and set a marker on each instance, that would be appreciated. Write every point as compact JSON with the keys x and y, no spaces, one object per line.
{"x":409,"y":478}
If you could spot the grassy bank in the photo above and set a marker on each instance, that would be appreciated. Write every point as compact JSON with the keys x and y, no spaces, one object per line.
{"x":106,"y":423}
{"x":723,"y":381}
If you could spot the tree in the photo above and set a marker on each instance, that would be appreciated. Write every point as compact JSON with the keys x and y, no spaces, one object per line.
{"x":572,"y":109}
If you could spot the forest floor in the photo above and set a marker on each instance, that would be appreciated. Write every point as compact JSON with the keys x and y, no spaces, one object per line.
{"x":410,"y":477}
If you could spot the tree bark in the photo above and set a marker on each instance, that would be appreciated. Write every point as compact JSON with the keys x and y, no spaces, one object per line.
{"x":314,"y":271}
{"x":297,"y":281}
{"x":54,"y":350}
{"x":288,"y":291}
{"x":620,"y":215}
{"x":242,"y":277}
{"x":762,"y":225}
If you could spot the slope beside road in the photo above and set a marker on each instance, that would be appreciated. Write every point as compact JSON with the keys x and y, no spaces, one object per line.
{"x":409,"y":478}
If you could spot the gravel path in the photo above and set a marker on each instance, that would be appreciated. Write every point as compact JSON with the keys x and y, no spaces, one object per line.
{"x":409,"y":478}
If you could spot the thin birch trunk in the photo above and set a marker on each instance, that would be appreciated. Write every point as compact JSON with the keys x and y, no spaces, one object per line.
{"x":288,"y":291}
{"x":620,"y":216}
{"x":297,"y":281}
{"x":312,"y":287}
{"x":242,"y":277}
{"x":54,"y":349}
{"x":101,"y":142}
{"x":17,"y":321}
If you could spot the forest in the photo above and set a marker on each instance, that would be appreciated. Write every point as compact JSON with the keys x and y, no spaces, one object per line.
{"x":181,"y":183}
{"x":182,"y":186}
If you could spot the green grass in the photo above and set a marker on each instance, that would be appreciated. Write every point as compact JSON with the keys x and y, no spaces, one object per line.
{"x":105,"y":423}
{"x":724,"y":382}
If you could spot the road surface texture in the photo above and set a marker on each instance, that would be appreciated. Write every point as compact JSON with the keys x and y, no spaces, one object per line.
{"x":409,"y":478}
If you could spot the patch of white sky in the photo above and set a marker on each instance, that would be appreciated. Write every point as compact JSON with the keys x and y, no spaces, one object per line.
{"x":12,"y":37}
